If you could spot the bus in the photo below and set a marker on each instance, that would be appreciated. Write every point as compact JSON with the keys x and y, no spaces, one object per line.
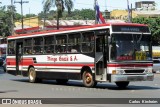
{"x":111,"y":52}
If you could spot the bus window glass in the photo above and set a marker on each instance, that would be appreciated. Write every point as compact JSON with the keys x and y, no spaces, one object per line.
{"x":49,"y":40}
{"x":61,"y":44}
{"x":87,"y":42}
{"x":74,"y":43}
{"x":49,"y":43}
{"x":131,"y":47}
{"x":11,"y":47}
{"x":28,"y":46}
{"x":27,"y":42}
{"x":38,"y":45}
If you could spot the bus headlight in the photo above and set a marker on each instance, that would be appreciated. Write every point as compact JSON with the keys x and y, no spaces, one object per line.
{"x":121,"y":72}
{"x":118,"y":72}
{"x":148,"y":71}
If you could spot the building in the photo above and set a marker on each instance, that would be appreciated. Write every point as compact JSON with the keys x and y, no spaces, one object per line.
{"x":146,"y":9}
{"x":106,"y":14}
{"x":28,"y":23}
{"x":151,"y":14}
{"x":142,"y":9}
{"x":145,"y":5}
{"x":121,"y":15}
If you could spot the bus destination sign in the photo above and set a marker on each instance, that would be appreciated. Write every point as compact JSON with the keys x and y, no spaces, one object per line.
{"x":125,"y":28}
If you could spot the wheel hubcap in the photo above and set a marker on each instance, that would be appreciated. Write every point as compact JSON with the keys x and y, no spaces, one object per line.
{"x":88,"y":78}
{"x":32,"y":74}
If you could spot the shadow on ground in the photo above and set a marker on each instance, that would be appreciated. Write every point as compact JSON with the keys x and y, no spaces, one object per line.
{"x":8,"y":91}
{"x":109,"y":86}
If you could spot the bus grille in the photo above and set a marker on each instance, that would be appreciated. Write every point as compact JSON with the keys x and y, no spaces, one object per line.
{"x":134,"y":71}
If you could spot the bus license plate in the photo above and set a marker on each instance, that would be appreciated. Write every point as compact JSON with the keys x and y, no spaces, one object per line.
{"x":134,"y":78}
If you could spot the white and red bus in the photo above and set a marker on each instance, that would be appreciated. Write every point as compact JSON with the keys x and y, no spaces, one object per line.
{"x":119,"y":53}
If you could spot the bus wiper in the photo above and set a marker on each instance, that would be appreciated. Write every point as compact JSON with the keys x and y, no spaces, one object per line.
{"x":140,"y":38}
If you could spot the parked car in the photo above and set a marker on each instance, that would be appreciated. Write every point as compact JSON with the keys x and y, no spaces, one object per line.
{"x":156,"y":65}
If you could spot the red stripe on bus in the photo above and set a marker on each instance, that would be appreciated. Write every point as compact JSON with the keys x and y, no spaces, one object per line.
{"x":60,"y":65}
{"x":75,"y":65}
{"x":29,"y":61}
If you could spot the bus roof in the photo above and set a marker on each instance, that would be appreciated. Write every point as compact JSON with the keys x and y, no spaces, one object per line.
{"x":89,"y":27}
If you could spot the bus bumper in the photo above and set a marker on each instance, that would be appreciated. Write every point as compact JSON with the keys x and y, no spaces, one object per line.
{"x":118,"y":78}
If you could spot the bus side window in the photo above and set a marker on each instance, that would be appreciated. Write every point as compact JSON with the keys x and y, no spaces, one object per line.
{"x":49,"y":44}
{"x":74,"y":41}
{"x":58,"y":49}
{"x":38,"y":45}
{"x":11,"y":51}
{"x":28,"y":46}
{"x":88,"y":42}
{"x":75,"y":49}
{"x":11,"y":47}
{"x":61,"y":44}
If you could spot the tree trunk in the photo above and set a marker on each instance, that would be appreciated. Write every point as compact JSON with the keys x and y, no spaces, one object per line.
{"x":57,"y":20}
{"x":44,"y":24}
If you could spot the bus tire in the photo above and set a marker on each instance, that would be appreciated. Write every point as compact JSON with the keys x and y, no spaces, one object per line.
{"x":62,"y":81}
{"x":32,"y":76}
{"x":88,"y":79}
{"x":122,"y":85}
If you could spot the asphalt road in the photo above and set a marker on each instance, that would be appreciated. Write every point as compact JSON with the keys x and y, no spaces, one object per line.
{"x":19,"y":87}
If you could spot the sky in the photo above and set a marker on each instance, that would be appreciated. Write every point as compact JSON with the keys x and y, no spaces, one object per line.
{"x":35,"y":6}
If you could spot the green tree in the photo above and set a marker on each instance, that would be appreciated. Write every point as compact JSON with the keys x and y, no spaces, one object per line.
{"x":87,"y":14}
{"x":6,"y":26}
{"x":17,"y":16}
{"x":29,"y":15}
{"x":60,"y":5}
{"x":5,"y":22}
{"x":154,"y":25}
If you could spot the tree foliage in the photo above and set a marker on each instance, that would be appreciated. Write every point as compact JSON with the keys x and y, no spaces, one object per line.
{"x":154,"y":25}
{"x":60,"y":5}
{"x":77,"y":14}
{"x":5,"y":22}
{"x":29,"y":15}
{"x":84,"y":14}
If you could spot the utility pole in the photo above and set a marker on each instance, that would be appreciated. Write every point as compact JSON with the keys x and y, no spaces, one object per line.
{"x":21,"y":3}
{"x":131,"y":12}
{"x":12,"y":21}
{"x":95,"y":11}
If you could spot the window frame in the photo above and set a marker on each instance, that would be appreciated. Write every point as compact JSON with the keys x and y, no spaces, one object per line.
{"x":91,"y":42}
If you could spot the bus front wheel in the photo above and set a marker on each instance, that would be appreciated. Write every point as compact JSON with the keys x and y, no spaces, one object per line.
{"x":32,"y":76}
{"x":88,"y":79}
{"x":122,"y":85}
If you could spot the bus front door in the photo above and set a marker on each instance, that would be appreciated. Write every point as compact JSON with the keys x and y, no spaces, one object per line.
{"x":19,"y":55}
{"x":100,"y":59}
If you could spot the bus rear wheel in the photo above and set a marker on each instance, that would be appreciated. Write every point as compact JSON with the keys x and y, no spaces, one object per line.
{"x":122,"y":85}
{"x":88,"y":79}
{"x":32,"y":76}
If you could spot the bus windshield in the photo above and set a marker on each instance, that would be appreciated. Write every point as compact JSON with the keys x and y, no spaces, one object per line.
{"x":131,"y":47}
